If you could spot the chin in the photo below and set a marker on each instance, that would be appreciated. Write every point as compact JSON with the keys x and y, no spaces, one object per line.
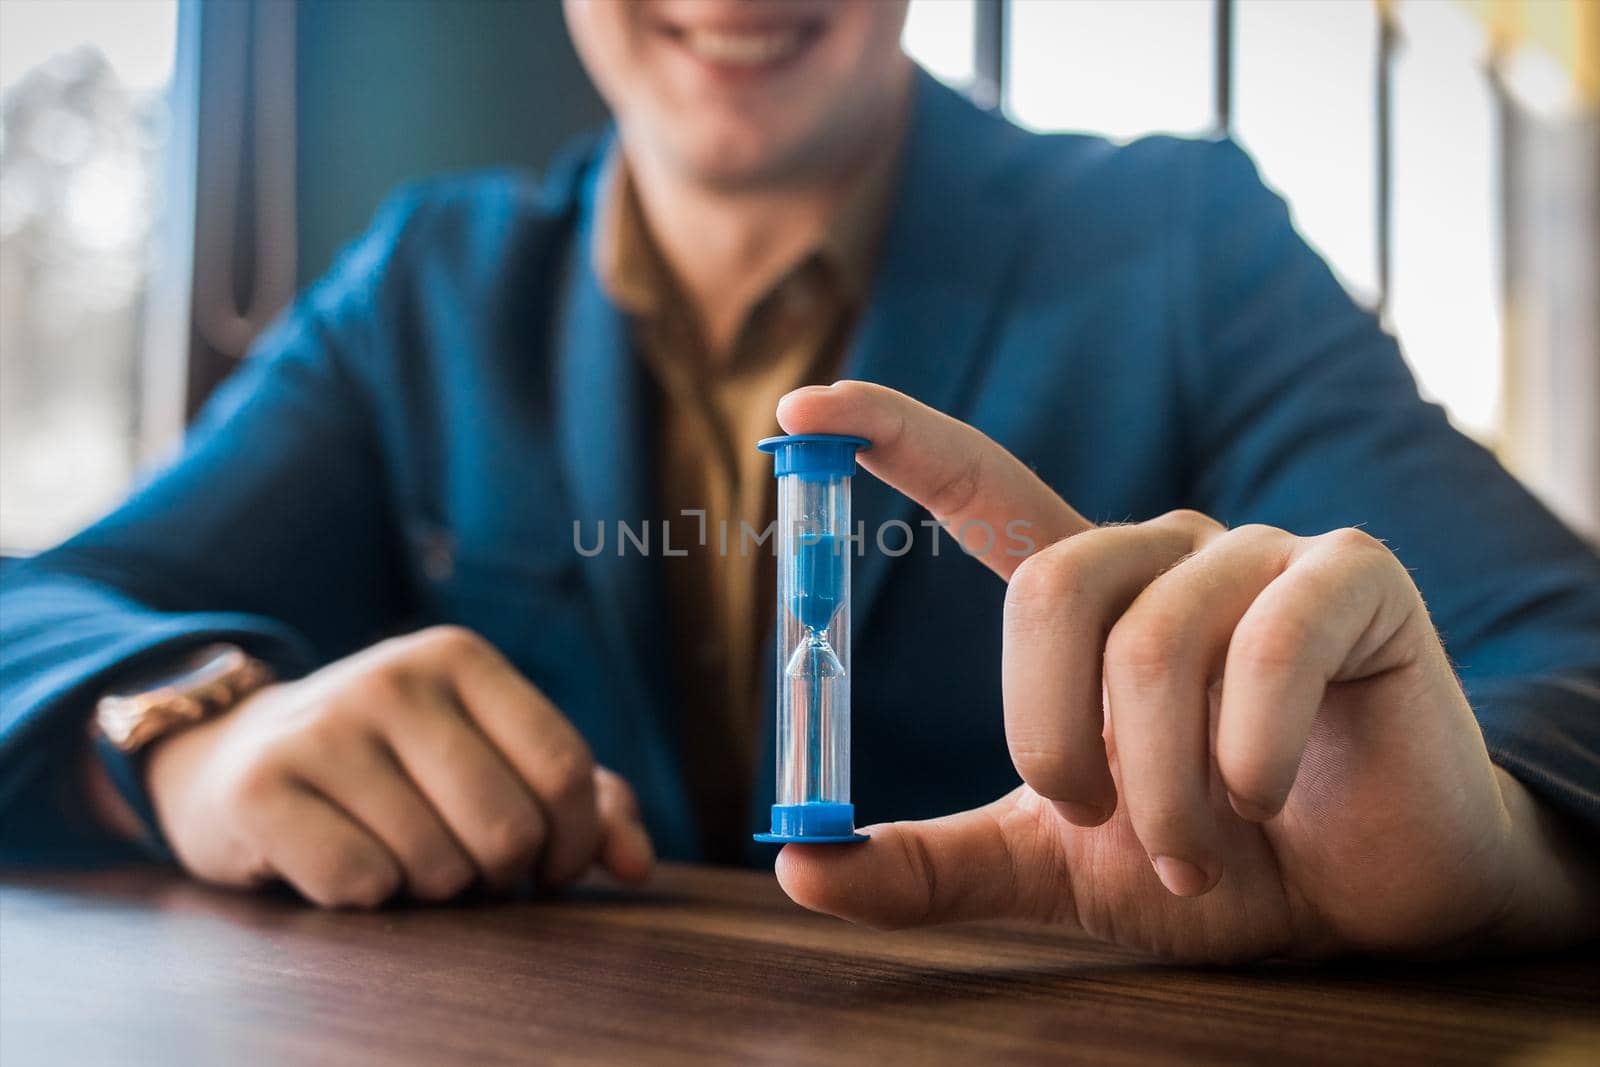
{"x":741,"y":159}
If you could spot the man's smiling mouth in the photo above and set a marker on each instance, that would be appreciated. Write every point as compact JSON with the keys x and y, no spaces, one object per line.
{"x":746,"y":47}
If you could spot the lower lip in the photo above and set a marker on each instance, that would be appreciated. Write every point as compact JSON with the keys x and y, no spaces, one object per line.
{"x":745,"y":72}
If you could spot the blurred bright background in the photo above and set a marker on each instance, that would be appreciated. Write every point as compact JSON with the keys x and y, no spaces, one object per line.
{"x":171,"y":170}
{"x":84,"y":122}
{"x":1442,"y":155}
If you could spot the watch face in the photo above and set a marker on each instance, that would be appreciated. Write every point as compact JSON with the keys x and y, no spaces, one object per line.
{"x":196,"y":670}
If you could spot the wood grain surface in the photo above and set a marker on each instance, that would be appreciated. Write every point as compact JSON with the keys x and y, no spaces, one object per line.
{"x":140,"y":966}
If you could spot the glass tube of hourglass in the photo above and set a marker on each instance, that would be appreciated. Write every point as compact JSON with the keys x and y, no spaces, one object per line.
{"x":814,"y":549}
{"x":814,"y":700}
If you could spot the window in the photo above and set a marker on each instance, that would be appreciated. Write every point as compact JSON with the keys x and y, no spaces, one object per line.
{"x":1446,"y":298}
{"x":1305,"y":100}
{"x":85,"y":117}
{"x":939,"y":35}
{"x":1122,"y":68}
{"x":1301,"y":84}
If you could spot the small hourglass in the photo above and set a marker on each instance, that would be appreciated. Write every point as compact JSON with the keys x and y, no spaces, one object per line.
{"x":813,"y":638}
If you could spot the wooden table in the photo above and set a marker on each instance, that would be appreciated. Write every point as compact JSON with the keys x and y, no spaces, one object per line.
{"x":136,"y":966}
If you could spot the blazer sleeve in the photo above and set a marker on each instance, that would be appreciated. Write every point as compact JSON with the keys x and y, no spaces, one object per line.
{"x":270,"y":530}
{"x":1302,"y":414}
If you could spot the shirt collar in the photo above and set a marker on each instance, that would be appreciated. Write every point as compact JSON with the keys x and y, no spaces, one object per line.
{"x":636,"y":276}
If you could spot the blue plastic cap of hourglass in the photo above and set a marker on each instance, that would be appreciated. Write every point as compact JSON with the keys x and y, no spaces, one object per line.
{"x":814,"y":456}
{"x":813,"y":823}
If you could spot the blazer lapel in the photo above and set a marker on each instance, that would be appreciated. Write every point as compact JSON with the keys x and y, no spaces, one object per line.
{"x":952,"y":237}
{"x":605,"y":429}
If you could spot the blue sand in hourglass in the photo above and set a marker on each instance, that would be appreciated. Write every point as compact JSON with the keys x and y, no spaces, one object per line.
{"x":818,"y":592}
{"x":818,"y":580}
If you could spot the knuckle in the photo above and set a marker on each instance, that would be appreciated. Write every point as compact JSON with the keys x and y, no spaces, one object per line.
{"x":404,"y":660}
{"x":451,"y":637}
{"x":1189,"y":519}
{"x":382,"y":690}
{"x":1351,"y":539}
{"x":1040,"y":575}
{"x":1353,"y":544}
{"x":958,"y":491}
{"x":442,"y":880}
{"x":1260,"y":536}
{"x":569,"y":772}
{"x":574,"y":808}
{"x":1043,"y":581}
{"x":254,"y":783}
{"x":357,"y":881}
{"x":513,"y":838}
{"x":369,"y":889}
{"x":1143,"y":647}
{"x":327,"y":729}
{"x":1271,"y":649}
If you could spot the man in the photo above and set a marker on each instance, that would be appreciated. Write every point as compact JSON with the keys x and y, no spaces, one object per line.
{"x":1232,"y":742}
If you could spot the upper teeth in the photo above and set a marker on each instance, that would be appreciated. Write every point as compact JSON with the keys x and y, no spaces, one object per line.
{"x":746,"y":48}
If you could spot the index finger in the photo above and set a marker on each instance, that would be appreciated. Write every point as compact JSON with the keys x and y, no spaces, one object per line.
{"x":962,"y":477}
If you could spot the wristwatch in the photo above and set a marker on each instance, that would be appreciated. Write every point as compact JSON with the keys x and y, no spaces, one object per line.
{"x":205,"y":682}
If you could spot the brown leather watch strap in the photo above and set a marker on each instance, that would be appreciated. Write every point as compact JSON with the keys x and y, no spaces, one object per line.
{"x":207,"y":681}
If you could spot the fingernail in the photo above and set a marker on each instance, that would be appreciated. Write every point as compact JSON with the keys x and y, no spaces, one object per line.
{"x":1181,"y":877}
{"x":1080,"y":814}
{"x":1249,"y":809}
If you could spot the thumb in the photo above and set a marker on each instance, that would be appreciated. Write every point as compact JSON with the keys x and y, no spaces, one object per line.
{"x":986,"y":863}
{"x":971,"y":485}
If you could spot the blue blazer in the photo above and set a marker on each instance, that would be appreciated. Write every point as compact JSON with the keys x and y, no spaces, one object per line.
{"x":414,"y":439}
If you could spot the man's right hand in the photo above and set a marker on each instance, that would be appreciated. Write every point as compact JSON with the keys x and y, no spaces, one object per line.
{"x":425,"y":763}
